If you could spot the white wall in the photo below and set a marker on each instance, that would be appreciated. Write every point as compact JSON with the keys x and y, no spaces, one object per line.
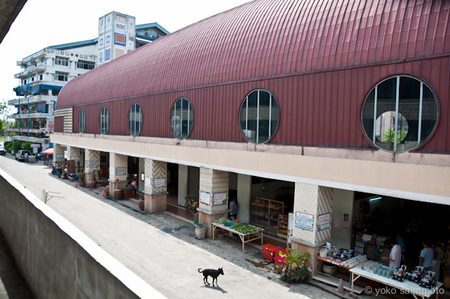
{"x":244,"y":191}
{"x":141,"y":184}
{"x":342,"y":204}
{"x":182,"y":183}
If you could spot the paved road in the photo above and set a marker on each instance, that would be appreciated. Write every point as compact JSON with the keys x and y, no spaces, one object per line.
{"x":158,"y":248}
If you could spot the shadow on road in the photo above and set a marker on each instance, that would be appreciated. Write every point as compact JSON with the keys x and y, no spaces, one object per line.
{"x":214,"y":288}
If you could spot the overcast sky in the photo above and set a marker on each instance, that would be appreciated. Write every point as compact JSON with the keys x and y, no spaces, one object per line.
{"x":43,"y":23}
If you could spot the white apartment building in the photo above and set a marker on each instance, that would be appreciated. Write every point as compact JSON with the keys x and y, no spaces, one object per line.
{"x":42,"y":76}
{"x":44,"y":73}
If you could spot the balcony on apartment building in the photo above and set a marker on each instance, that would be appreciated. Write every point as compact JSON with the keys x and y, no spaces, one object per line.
{"x":38,"y":98}
{"x":31,"y":115}
{"x":37,"y":68}
{"x":37,"y":88}
{"x":33,"y":56}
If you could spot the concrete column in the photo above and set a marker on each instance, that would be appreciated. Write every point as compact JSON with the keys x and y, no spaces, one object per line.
{"x":213,"y":184}
{"x":92,"y":165}
{"x":58,"y":153}
{"x":75,"y":154}
{"x":182,"y":183}
{"x":141,"y":184}
{"x":244,"y":193}
{"x":313,"y":202}
{"x":118,"y":170}
{"x":155,"y":191}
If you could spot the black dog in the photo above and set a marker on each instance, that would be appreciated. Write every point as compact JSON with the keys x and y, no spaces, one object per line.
{"x":211,"y":272}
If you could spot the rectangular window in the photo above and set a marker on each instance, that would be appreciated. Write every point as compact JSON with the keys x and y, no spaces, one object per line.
{"x":59,"y":76}
{"x":87,"y":65}
{"x":61,"y":61}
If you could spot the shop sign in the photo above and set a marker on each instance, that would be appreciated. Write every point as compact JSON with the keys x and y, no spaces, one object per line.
{"x":159,"y":183}
{"x":147,"y":182}
{"x":220,"y":198}
{"x":205,"y":198}
{"x":304,"y":221}
{"x":121,"y":170}
{"x":324,"y":221}
{"x":59,"y":156}
{"x":94,"y":164}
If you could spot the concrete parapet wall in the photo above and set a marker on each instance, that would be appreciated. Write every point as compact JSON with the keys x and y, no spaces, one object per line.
{"x":56,"y":259}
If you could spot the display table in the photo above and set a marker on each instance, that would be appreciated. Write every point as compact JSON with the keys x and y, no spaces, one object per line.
{"x":332,"y":261}
{"x":331,"y":280}
{"x":255,"y":235}
{"x":405,"y":287}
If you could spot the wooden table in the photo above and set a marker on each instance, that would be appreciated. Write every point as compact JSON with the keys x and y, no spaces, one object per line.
{"x":255,"y":235}
{"x":405,"y":287}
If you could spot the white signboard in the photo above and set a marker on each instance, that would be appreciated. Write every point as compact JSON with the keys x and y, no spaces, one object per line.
{"x":220,"y":198}
{"x":205,"y":198}
{"x":159,"y":183}
{"x":148,"y":182}
{"x":324,"y":221}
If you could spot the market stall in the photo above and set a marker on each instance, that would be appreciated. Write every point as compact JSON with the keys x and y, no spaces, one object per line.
{"x":384,"y":276}
{"x":337,"y":258}
{"x":247,"y":234}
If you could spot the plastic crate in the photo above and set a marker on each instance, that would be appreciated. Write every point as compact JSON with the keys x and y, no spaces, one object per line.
{"x":278,"y":260}
{"x":268,"y":252}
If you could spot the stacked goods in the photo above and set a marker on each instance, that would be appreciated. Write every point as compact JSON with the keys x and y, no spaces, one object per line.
{"x":222,"y":220}
{"x":247,"y":229}
{"x":238,"y":226}
{"x":354,"y":261}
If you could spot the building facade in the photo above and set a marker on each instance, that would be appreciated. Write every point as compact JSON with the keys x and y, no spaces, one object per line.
{"x":44,"y":73}
{"x":327,"y":110}
{"x":42,"y":76}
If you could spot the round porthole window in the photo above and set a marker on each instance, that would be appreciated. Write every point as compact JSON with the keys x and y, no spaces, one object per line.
{"x":135,"y":120}
{"x":104,"y":121}
{"x":258,"y":116}
{"x":399,"y":114}
{"x":181,"y":118}
{"x":82,"y":121}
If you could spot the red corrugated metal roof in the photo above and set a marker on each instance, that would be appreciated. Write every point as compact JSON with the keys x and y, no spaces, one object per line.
{"x":270,"y":38}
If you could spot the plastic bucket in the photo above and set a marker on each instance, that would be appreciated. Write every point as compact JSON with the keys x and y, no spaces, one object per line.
{"x":195,"y":218}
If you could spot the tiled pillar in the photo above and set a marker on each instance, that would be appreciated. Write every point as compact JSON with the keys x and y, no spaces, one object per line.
{"x":92,"y":164}
{"x":58,"y":153}
{"x":312,"y":219}
{"x":155,"y":188}
{"x":213,"y":185}
{"x":75,"y":154}
{"x":118,"y":170}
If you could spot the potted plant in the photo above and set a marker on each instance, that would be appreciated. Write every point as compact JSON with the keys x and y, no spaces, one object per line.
{"x":296,"y":264}
{"x":81,"y":176}
{"x":281,"y":269}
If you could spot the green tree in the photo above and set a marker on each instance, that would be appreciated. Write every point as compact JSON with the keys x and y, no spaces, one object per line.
{"x":17,"y":146}
{"x":8,"y":145}
{"x":389,"y":135}
{"x":26,"y":146}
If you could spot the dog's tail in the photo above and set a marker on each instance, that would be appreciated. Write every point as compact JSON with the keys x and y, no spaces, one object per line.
{"x":200,"y":270}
